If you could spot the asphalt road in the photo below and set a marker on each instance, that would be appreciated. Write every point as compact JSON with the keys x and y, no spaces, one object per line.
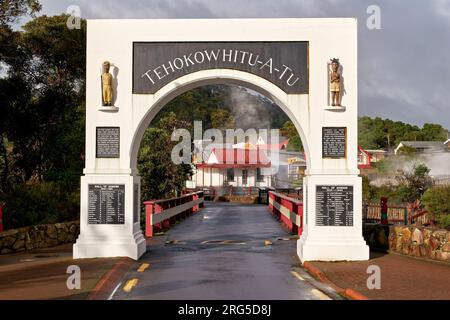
{"x":220,"y":253}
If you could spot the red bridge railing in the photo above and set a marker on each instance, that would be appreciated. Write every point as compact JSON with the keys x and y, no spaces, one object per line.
{"x":160,"y":214}
{"x":289,"y":211}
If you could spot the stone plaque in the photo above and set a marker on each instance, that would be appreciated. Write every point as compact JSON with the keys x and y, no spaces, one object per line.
{"x":106,"y":204}
{"x":334,"y":206}
{"x":108,"y":142}
{"x":285,"y":64}
{"x":334,"y":142}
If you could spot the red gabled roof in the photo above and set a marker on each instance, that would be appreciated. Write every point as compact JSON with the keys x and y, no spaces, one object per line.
{"x":237,"y":158}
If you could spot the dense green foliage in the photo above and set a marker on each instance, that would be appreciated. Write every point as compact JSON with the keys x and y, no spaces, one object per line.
{"x":437,"y":201}
{"x":42,"y":124}
{"x":377,"y":133}
{"x":410,"y":186}
{"x":161,"y":178}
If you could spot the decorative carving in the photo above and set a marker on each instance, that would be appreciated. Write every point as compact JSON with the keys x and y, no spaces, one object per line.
{"x":335,"y":83}
{"x":107,"y":85}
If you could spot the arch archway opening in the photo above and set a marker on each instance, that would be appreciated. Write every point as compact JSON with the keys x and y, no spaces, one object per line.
{"x":229,"y":109}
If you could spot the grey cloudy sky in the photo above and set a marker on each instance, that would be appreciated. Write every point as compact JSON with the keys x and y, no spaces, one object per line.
{"x":404,"y":68}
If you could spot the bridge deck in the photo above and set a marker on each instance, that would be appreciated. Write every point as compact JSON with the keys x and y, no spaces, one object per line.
{"x":190,"y":262}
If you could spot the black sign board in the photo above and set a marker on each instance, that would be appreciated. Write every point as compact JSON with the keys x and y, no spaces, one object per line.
{"x":334,"y":142}
{"x":106,"y":204}
{"x":285,"y":64}
{"x":108,"y":142}
{"x":334,"y":206}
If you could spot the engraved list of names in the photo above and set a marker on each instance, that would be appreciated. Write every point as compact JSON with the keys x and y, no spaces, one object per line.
{"x":334,"y":206}
{"x":106,"y":204}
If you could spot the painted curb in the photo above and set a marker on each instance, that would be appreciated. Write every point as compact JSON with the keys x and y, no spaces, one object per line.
{"x":106,"y":284}
{"x":349,"y":293}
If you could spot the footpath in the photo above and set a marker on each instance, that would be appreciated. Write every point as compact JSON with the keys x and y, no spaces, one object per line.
{"x":42,"y":274}
{"x":402,"y":278}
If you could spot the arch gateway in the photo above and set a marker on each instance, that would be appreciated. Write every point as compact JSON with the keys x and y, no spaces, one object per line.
{"x":288,"y":60}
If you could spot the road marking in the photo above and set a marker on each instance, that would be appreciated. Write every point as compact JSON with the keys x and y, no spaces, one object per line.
{"x":320,"y":295}
{"x":299,"y":277}
{"x":143,"y":267}
{"x":130,"y":285}
{"x":114,"y":292}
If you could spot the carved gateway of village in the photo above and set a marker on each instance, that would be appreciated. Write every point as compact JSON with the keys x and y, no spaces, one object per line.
{"x":300,"y":64}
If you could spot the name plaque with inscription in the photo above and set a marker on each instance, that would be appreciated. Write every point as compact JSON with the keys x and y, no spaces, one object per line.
{"x":285,"y":64}
{"x":334,"y":206}
{"x":106,"y":204}
{"x":334,"y":142}
{"x":108,"y":142}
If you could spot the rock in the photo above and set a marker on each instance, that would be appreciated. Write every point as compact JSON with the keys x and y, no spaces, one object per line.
{"x":415,"y":251}
{"x":8,"y":241}
{"x":443,"y":256}
{"x":51,"y":232}
{"x":441,"y":235}
{"x":406,"y":235}
{"x":19,"y":245}
{"x":417,"y":237}
{"x":73,"y":229}
{"x":6,"y":251}
{"x":9,"y":233}
{"x":62,"y":236}
{"x":434,"y":243}
{"x":446,"y":247}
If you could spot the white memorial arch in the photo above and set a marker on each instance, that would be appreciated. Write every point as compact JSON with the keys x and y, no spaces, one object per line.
{"x":151,"y":64}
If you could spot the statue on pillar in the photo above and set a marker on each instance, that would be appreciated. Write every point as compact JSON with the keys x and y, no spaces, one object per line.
{"x":335,"y":83}
{"x":107,"y":85}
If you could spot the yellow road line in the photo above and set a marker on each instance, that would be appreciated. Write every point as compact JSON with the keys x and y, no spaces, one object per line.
{"x":130,"y":285}
{"x":143,"y":267}
{"x":320,"y":295}
{"x":299,"y":277}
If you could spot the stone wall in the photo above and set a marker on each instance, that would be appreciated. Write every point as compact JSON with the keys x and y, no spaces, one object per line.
{"x":41,"y":236}
{"x":426,"y":242}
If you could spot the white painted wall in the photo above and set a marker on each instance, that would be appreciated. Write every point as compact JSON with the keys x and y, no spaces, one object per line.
{"x":328,"y":38}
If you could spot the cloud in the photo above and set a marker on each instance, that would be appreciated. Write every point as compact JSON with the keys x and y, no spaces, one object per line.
{"x":404,"y":68}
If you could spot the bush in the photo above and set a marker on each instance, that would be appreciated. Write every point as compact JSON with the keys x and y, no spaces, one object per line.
{"x":44,"y":203}
{"x":437,"y":202}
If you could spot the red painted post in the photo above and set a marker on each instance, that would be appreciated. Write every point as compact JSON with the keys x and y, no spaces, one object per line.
{"x":1,"y":218}
{"x":195,"y":197}
{"x":149,"y":206}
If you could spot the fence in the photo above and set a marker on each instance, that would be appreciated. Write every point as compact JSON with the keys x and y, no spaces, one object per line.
{"x":161,"y":214}
{"x":289,"y":211}
{"x":400,"y":214}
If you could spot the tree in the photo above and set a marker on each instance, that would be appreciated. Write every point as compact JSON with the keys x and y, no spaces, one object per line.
{"x":161,"y":178}
{"x":414,"y":182}
{"x":437,"y":202}
{"x":377,"y":133}
{"x":222,"y":119}
{"x":11,"y":10}
{"x":288,"y":130}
